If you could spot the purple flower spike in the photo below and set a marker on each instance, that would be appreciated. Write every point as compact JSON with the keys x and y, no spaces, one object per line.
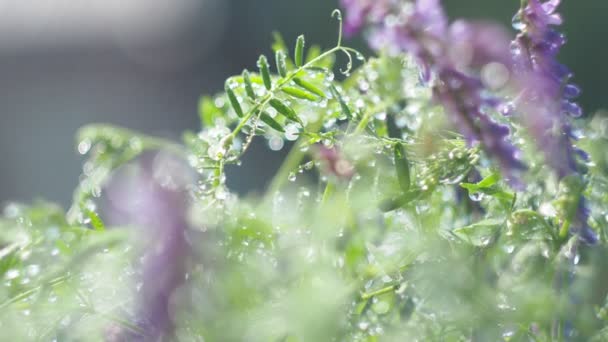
{"x":465,"y":58}
{"x":546,"y":98}
{"x":460,"y":96}
{"x":152,"y":196}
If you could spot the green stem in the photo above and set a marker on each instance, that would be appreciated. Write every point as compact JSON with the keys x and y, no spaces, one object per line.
{"x":329,"y":190}
{"x":337,"y":14}
{"x":379,"y":292}
{"x":294,"y":158}
{"x":367,"y":116}
{"x":363,"y":123}
{"x":30,"y":292}
{"x":564,"y":230}
{"x":276,"y":89}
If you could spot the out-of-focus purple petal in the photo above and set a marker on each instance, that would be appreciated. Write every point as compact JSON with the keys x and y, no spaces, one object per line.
{"x":335,"y":163}
{"x":152,"y":195}
{"x":358,"y":12}
{"x":474,"y":45}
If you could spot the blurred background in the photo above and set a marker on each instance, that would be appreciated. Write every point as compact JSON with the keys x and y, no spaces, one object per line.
{"x":143,"y":64}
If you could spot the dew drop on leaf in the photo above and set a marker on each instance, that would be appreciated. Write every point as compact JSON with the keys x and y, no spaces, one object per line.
{"x":84,"y":146}
{"x":12,"y":274}
{"x":363,"y":325}
{"x":33,"y":270}
{"x":476,"y":196}
{"x":291,"y":132}
{"x":275,"y":143}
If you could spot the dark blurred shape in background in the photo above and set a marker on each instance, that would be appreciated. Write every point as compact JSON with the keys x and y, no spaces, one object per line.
{"x":144,"y":63}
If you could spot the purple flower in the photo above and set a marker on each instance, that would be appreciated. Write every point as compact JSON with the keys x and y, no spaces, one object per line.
{"x":151,"y":195}
{"x":546,"y":97}
{"x":360,"y":11}
{"x":461,"y":97}
{"x":475,"y":45}
{"x":418,"y":28}
{"x":457,"y":55}
{"x":335,"y":163}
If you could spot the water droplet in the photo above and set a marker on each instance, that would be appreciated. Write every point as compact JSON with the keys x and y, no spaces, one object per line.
{"x":291,"y":177}
{"x":507,"y":109}
{"x":476,"y":196}
{"x":363,"y":325}
{"x":219,"y":102}
{"x":291,"y":132}
{"x":517,"y":22}
{"x":309,"y":165}
{"x":495,"y":75}
{"x":508,"y":334}
{"x":381,"y":307}
{"x":12,"y":274}
{"x":380,"y":116}
{"x":33,"y":270}
{"x":84,"y":146}
{"x":485,"y":241}
{"x":547,"y":209}
{"x":216,"y":151}
{"x":275,"y":143}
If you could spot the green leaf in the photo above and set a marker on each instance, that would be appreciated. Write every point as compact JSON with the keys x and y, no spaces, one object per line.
{"x":313,"y":52}
{"x":489,"y":186}
{"x":265,"y":71}
{"x":281,"y":64}
{"x":299,"y":51}
{"x":285,"y":110}
{"x":483,"y":184}
{"x":480,"y":233}
{"x":248,"y":85}
{"x":526,"y":224}
{"x":301,"y":94}
{"x":400,"y":201}
{"x":234,"y":102}
{"x":345,"y":110}
{"x":207,"y":111}
{"x":403,"y":167}
{"x":278,"y":43}
{"x":309,"y":86}
{"x":96,"y":221}
{"x":272,"y":123}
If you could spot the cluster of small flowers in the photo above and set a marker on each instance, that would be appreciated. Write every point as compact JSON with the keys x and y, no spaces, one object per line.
{"x":462,"y":61}
{"x":466,"y":61}
{"x":546,"y":99}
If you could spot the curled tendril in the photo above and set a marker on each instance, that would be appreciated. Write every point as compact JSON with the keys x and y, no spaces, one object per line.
{"x":349,"y":64}
{"x":348,"y":52}
{"x":338,"y":15}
